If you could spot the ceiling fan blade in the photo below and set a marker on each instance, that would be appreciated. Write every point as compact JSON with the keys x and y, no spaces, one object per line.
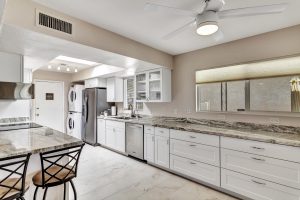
{"x":176,"y":11}
{"x":251,"y":11}
{"x":179,"y":30}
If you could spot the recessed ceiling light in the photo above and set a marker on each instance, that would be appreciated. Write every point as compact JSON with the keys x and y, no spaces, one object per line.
{"x":76,"y":60}
{"x":207,"y":28}
{"x":49,"y":67}
{"x":76,"y":70}
{"x":68,"y":69}
{"x":58,"y":68}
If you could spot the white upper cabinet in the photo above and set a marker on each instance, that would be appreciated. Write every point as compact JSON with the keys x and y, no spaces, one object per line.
{"x":95,"y":83}
{"x":154,"y":86}
{"x":11,"y":67}
{"x":27,"y":76}
{"x":114,"y":90}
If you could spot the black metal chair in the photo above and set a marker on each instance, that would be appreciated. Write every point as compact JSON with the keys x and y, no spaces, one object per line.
{"x":58,"y":167}
{"x":14,"y":184}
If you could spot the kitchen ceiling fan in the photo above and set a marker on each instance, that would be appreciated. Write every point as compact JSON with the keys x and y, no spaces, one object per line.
{"x":206,"y":21}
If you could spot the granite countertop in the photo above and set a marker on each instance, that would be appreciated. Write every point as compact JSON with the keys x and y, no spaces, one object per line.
{"x":276,"y":134}
{"x":33,"y":140}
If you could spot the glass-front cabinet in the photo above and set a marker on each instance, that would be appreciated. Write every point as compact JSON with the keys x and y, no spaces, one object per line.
{"x":154,"y":86}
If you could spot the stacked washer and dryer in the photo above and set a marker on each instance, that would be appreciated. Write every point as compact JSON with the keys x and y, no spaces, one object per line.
{"x":75,"y":108}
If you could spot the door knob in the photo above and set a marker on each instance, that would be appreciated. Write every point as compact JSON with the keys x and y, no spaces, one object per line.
{"x":37,"y":115}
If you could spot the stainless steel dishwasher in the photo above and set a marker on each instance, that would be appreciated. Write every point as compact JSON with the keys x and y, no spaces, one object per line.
{"x":135,"y":140}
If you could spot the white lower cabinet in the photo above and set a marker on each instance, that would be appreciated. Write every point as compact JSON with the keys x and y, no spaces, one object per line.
{"x":162,"y":151}
{"x":255,"y":188}
{"x":194,"y":151}
{"x":115,"y":135}
{"x":275,"y":170}
{"x":197,"y":170}
{"x":149,"y":148}
{"x":101,"y":132}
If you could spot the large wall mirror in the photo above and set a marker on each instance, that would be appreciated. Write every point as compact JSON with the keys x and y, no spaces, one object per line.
{"x":266,"y":86}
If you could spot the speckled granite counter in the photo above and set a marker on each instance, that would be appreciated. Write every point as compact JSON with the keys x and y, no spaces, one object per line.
{"x":284,"y":135}
{"x":33,"y":140}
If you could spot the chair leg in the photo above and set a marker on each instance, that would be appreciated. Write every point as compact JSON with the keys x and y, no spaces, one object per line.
{"x":35,"y":192}
{"x":74,"y":190}
{"x":65,"y":188}
{"x":22,"y":198}
{"x":45,"y":194}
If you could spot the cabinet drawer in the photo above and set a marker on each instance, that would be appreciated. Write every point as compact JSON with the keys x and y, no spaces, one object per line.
{"x":278,"y":171}
{"x":164,"y":132}
{"x":195,"y":137}
{"x":257,"y":189}
{"x":148,"y":129}
{"x":198,"y":152}
{"x":197,"y":170}
{"x":260,"y":148}
{"x":115,"y":124}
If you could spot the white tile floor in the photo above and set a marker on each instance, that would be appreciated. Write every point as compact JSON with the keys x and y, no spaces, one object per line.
{"x":104,"y":174}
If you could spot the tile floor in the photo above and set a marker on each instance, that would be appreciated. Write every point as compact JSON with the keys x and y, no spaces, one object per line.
{"x":104,"y":174}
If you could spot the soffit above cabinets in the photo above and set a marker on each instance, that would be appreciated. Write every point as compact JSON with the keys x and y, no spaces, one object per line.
{"x":128,"y":18}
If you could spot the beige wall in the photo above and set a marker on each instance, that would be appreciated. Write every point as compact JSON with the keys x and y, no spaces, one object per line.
{"x":22,"y":13}
{"x":56,"y":76}
{"x":270,"y":45}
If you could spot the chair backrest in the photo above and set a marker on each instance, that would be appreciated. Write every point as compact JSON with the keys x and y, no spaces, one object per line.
{"x":64,"y":160}
{"x":13,"y":174}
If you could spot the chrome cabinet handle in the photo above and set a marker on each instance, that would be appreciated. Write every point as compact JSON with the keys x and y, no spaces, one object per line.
{"x":257,"y":182}
{"x":259,"y":159}
{"x":258,"y":148}
{"x":193,"y":137}
{"x":192,"y":145}
{"x":192,"y":163}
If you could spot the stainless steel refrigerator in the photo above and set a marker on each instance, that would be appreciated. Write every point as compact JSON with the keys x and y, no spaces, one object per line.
{"x":94,"y":102}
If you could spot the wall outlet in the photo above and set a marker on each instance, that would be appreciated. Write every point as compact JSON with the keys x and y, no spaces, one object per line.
{"x":274,"y":120}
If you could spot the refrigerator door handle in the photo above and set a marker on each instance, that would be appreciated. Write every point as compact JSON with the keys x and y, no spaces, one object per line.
{"x":86,"y":109}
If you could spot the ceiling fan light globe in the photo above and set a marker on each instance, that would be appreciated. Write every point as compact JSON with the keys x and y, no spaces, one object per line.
{"x":207,"y":28}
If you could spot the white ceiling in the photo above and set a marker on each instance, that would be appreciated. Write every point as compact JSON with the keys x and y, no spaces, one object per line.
{"x":128,"y":18}
{"x":39,"y":50}
{"x":55,"y":63}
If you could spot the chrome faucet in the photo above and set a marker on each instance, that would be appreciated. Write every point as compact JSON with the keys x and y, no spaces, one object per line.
{"x":130,"y":107}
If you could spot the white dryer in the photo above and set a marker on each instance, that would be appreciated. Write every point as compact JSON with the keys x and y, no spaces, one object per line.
{"x":74,"y":124}
{"x":75,"y":98}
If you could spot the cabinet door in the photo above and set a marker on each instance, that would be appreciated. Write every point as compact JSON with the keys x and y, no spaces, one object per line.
{"x":120,"y":140}
{"x":101,"y":132}
{"x":141,"y":87}
{"x":11,"y":67}
{"x":196,"y":170}
{"x":149,"y":147}
{"x":256,"y":188}
{"x":110,"y":138}
{"x":110,"y":89}
{"x":162,"y":151}
{"x":154,"y":86}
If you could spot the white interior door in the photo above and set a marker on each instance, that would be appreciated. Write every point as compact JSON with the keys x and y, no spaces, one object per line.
{"x":49,"y":104}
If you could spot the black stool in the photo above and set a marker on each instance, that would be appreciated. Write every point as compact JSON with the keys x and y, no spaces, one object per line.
{"x":57,"y":171}
{"x":14,"y":184}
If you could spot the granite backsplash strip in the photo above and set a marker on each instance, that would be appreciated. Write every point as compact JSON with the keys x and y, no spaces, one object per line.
{"x":14,"y":120}
{"x":243,"y":126}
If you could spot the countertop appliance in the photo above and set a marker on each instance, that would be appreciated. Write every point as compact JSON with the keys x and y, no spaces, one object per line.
{"x":10,"y":127}
{"x":13,"y":91}
{"x":135,"y":140}
{"x":93,"y":103}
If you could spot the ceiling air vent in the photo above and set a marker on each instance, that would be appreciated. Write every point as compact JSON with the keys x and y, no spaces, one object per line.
{"x":54,"y":23}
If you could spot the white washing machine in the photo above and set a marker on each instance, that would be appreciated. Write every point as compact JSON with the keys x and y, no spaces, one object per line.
{"x":74,"y":124}
{"x":75,"y":98}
